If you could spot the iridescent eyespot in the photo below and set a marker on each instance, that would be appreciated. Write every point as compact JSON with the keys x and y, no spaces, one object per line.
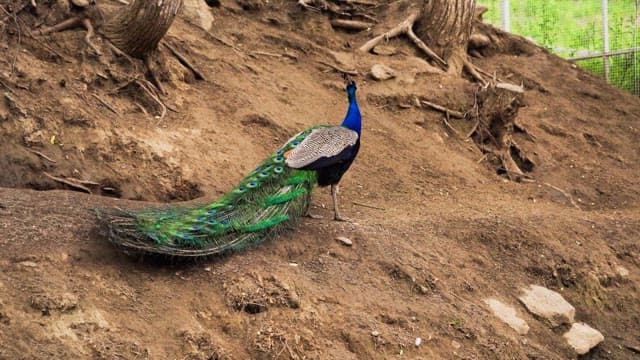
{"x":263,"y":174}
{"x":211,"y":212}
{"x":279,"y":159}
{"x":295,"y":143}
{"x":196,"y":228}
{"x":201,"y":219}
{"x":224,"y":222}
{"x":278,"y":169}
{"x":252,"y":184}
{"x":212,"y":222}
{"x":280,"y":152}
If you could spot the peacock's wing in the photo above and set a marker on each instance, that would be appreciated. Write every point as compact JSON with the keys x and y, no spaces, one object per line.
{"x":322,"y":147}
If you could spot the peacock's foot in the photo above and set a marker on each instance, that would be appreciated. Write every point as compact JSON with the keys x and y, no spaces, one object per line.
{"x":313,"y":216}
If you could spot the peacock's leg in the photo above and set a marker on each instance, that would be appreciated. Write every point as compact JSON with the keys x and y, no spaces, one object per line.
{"x":334,"y":195}
{"x":310,"y":215}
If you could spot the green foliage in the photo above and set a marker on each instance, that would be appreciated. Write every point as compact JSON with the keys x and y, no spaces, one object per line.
{"x":571,"y":28}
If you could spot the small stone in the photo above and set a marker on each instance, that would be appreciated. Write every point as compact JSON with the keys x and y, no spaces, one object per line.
{"x":382,"y":72}
{"x":582,"y":338}
{"x":622,"y":271}
{"x":548,"y":304}
{"x":455,"y":345}
{"x":80,"y":3}
{"x":344,"y":241}
{"x":385,"y":50}
{"x":198,"y":12}
{"x":508,"y":314}
{"x":207,"y":269}
{"x":418,"y":342}
{"x":30,"y":264}
{"x":375,"y":333}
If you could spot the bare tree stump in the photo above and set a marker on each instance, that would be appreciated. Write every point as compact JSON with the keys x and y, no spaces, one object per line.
{"x":138,"y":28}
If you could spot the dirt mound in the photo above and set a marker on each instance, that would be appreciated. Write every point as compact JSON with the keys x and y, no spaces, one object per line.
{"x":441,"y":222}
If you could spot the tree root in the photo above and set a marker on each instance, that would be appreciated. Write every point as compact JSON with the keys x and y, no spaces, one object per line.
{"x":184,"y":61}
{"x":406,"y":28}
{"x":74,"y":22}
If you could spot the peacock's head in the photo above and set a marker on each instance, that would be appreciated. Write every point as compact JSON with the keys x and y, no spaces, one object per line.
{"x":351,"y":87}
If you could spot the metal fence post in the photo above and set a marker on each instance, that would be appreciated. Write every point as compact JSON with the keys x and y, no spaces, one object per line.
{"x":505,"y":16}
{"x":605,"y":38}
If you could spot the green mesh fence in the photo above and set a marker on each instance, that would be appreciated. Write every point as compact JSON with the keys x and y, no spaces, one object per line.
{"x":574,"y":30}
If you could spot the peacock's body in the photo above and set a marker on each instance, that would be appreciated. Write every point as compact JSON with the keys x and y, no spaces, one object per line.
{"x":268,"y":200}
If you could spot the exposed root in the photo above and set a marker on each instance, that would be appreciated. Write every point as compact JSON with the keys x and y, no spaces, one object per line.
{"x":495,"y":111}
{"x":106,"y":104}
{"x":569,"y":197}
{"x":144,"y":91}
{"x":445,"y":110}
{"x":351,"y":24}
{"x":69,"y":182}
{"x":340,"y":70}
{"x":184,"y":61}
{"x":90,"y":34}
{"x":473,"y":71}
{"x":406,"y":28}
{"x":67,"y":24}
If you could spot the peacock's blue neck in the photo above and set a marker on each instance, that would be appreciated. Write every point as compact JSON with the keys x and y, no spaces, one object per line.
{"x":353,"y":119}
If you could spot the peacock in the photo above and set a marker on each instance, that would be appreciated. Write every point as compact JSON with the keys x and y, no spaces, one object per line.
{"x":269,"y":200}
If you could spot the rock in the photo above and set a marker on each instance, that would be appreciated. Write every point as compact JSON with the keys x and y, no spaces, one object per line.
{"x":344,"y":241}
{"x":508,"y":314}
{"x":382,"y":72}
{"x":418,"y":342}
{"x":198,"y":12}
{"x":455,"y":345}
{"x":385,"y":50}
{"x":582,"y":338}
{"x":548,"y":304}
{"x":375,"y":333}
{"x":622,"y":271}
{"x":80,"y":3}
{"x":30,"y":264}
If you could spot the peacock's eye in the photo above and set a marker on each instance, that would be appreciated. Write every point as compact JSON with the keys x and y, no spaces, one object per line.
{"x":278,"y":169}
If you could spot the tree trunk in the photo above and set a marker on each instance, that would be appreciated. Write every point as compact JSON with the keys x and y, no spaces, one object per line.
{"x":138,"y":28}
{"x":445,"y":25}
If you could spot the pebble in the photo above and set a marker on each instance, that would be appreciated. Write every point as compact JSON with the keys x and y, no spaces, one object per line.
{"x":622,"y":271}
{"x":385,"y":50}
{"x":382,"y":72}
{"x":30,"y":264}
{"x":582,"y":338}
{"x":375,"y":333}
{"x":548,"y":304}
{"x":344,"y":240}
{"x":508,"y":315}
{"x":418,"y":342}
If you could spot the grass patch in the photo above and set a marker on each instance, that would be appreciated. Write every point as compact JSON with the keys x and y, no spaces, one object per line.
{"x":569,"y":28}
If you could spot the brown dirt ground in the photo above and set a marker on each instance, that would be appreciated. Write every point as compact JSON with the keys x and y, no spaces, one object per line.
{"x":448,"y":231}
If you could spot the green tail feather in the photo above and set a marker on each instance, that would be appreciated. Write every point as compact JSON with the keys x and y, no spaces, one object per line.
{"x":267,"y":201}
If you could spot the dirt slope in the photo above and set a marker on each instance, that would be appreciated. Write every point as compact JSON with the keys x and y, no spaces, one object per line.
{"x":441,"y":230}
